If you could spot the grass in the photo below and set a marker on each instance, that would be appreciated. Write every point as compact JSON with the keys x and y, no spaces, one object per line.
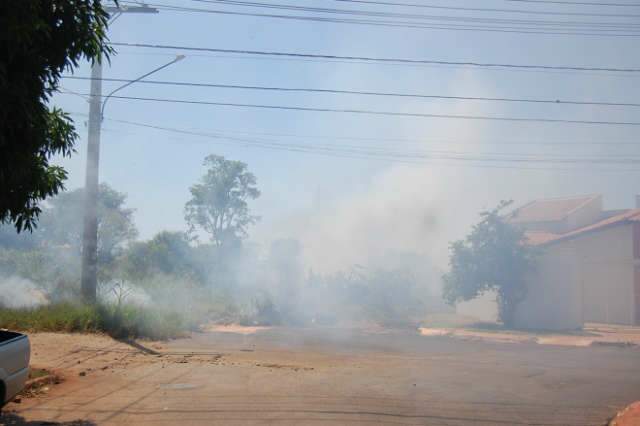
{"x":127,"y":321}
{"x":36,"y":373}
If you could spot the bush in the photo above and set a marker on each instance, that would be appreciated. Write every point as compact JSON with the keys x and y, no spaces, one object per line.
{"x":130,"y":321}
{"x":262,"y":311}
{"x":67,"y":317}
{"x":126,"y":321}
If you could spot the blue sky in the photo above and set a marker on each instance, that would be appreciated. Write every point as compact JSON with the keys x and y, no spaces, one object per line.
{"x":301,"y":190}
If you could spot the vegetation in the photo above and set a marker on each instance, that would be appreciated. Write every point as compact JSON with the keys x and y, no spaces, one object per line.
{"x":41,"y":39}
{"x":218,"y":203}
{"x":50,"y":255}
{"x":390,"y":297}
{"x":128,"y":321}
{"x":61,"y":225}
{"x":492,"y":257}
{"x":167,"y":253}
{"x":171,"y":282}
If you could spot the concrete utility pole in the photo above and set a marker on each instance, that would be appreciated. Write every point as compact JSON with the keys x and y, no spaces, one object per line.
{"x":90,"y":231}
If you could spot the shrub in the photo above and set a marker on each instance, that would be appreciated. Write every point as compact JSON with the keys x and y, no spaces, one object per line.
{"x":126,"y":321}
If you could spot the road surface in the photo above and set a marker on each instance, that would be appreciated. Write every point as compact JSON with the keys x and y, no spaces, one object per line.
{"x":328,"y":377}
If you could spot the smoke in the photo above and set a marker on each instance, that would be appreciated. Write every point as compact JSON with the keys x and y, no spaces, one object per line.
{"x":120,"y":292}
{"x":17,"y":292}
{"x":407,"y":214}
{"x":339,"y":255}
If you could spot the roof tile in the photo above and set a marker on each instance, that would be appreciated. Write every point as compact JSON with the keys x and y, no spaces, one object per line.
{"x":549,"y":210}
{"x":542,"y":238}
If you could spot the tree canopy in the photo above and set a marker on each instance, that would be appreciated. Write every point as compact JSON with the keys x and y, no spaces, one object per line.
{"x":493,"y":256}
{"x":49,"y":256}
{"x":219,"y":202}
{"x":40,"y":40}
{"x":166,"y":253}
{"x":61,"y":223}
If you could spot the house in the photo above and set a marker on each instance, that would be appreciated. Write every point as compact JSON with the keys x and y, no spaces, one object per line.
{"x":588,"y":269}
{"x":589,"y":266}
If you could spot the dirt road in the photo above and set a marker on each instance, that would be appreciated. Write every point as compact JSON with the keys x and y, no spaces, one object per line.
{"x":320,"y":376}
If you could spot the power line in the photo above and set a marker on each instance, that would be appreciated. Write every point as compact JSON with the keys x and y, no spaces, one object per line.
{"x":218,"y":56}
{"x":411,"y":158}
{"x":375,"y":59}
{"x":488,"y":156}
{"x":71,"y":92}
{"x":578,"y":3}
{"x":366,"y":93}
{"x":405,"y":24}
{"x":423,"y":141}
{"x":499,"y":10}
{"x":379,"y":113}
{"x":369,"y":13}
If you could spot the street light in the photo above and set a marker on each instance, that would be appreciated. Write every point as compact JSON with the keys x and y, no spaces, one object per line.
{"x":90,"y":229}
{"x":178,"y":58}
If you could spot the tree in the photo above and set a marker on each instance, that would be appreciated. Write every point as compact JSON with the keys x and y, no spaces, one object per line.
{"x":61,"y":223}
{"x":494,"y":256}
{"x":218,"y":203}
{"x":40,"y":40}
{"x":166,"y":253}
{"x":49,"y":256}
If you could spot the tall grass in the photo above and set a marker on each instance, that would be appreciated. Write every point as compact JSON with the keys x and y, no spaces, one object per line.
{"x":124,"y":321}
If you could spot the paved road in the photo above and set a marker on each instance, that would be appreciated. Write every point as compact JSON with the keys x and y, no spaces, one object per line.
{"x":335,"y":377}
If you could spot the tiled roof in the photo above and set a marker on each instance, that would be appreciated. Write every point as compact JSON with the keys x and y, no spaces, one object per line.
{"x":539,"y":237}
{"x":542,"y":238}
{"x":549,"y":210}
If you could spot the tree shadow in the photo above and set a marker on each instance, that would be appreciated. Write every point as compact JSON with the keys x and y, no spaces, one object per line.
{"x":10,"y":419}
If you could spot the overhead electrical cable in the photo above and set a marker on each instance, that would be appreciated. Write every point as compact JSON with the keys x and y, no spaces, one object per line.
{"x":379,"y":113}
{"x":465,"y":19}
{"x":580,"y":3}
{"x":496,"y":10}
{"x":378,"y":59}
{"x":366,"y":93}
{"x":169,"y":53}
{"x":430,"y":141}
{"x":603,"y":32}
{"x":410,"y":158}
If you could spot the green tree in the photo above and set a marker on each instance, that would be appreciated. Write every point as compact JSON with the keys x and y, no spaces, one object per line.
{"x":61,"y":223}
{"x":167,"y":253}
{"x":219,"y":203}
{"x":50,"y":255}
{"x":40,"y":40}
{"x":494,"y":256}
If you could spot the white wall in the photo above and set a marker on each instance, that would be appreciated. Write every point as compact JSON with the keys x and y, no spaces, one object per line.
{"x":554,"y":296}
{"x":606,"y":274}
{"x":589,"y":278}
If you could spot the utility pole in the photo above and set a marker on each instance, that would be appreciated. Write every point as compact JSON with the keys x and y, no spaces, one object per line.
{"x":90,"y":230}
{"x":89,"y":278}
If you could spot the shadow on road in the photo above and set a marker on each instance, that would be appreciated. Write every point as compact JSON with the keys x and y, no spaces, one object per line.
{"x":139,"y":347}
{"x":7,"y":419}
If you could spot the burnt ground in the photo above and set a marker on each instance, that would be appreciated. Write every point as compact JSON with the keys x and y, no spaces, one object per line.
{"x":323,"y":376}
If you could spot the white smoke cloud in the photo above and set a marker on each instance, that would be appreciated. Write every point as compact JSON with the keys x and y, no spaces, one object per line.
{"x":17,"y":292}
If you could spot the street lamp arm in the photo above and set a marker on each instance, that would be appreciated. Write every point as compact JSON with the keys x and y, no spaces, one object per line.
{"x":129,"y":83}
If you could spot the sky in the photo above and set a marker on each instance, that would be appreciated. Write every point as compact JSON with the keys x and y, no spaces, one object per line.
{"x":348,"y":209}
